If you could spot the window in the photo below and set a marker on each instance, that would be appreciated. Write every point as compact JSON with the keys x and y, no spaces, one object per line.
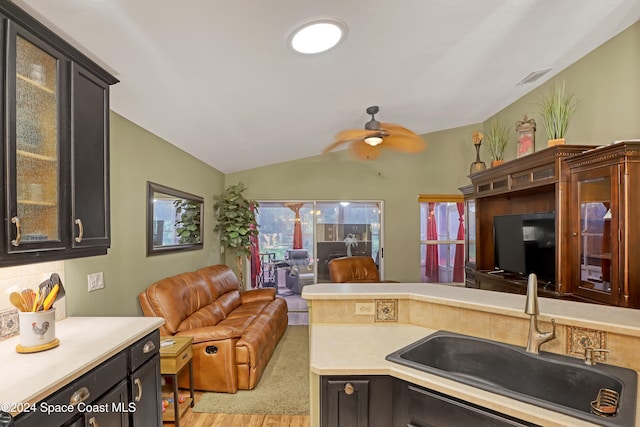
{"x":442,"y":238}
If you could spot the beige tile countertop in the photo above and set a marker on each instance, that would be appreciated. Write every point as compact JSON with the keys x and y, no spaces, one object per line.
{"x":360,"y":348}
{"x":85,"y":342}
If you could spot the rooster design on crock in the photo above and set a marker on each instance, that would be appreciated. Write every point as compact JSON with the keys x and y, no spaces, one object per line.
{"x":42,"y":330}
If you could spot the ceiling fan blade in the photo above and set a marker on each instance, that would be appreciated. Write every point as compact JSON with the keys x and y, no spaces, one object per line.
{"x":397,"y":129}
{"x":405,"y":143}
{"x":348,"y":136}
{"x":364,"y":151}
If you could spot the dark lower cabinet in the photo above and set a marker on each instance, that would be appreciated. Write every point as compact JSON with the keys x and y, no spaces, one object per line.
{"x":110,"y":410}
{"x":144,"y":382}
{"x":124,"y":391}
{"x":383,"y":401}
{"x":358,"y":401}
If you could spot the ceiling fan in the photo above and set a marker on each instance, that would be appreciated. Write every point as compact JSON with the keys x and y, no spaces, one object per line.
{"x":367,"y":143}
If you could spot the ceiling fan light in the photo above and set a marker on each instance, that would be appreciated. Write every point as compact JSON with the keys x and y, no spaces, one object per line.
{"x":317,"y":36}
{"x":373,"y":140}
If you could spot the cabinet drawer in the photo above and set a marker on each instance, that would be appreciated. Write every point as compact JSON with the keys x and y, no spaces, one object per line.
{"x":143,"y":350}
{"x":85,"y":389}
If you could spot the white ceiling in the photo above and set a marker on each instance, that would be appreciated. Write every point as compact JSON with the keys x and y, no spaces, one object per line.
{"x":217,"y":79}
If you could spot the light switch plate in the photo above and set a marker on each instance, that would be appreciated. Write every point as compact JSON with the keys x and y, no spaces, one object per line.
{"x":96,"y":281}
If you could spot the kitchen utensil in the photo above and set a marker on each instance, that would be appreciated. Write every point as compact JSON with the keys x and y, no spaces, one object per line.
{"x":17,"y":301}
{"x":50,"y":298}
{"x":28,"y":295}
{"x":36,"y":301}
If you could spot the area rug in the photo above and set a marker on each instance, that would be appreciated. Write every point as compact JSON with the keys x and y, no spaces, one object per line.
{"x":283,"y":388}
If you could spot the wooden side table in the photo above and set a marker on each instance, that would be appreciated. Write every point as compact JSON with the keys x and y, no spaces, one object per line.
{"x":173,"y":359}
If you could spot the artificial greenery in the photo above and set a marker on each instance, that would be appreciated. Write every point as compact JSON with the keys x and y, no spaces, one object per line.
{"x":236,"y":222}
{"x":188,"y":222}
{"x":497,"y":139}
{"x":557,"y":108}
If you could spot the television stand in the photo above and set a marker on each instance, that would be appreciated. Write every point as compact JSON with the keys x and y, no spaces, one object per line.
{"x":497,"y":280}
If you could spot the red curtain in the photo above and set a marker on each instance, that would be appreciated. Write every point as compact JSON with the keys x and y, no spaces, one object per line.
{"x":458,"y":264}
{"x":255,"y":259}
{"x":297,"y":226}
{"x":431,"y":260}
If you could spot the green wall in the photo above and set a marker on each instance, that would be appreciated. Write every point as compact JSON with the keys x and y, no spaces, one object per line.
{"x":606,"y":84}
{"x":138,"y":156}
{"x":605,"y":81}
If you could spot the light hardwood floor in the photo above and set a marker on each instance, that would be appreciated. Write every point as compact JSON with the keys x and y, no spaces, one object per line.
{"x":196,"y":419}
{"x":193,"y":419}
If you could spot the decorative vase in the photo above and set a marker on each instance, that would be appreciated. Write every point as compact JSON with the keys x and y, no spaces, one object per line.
{"x":495,"y":163}
{"x":554,"y":142}
{"x":477,"y":165}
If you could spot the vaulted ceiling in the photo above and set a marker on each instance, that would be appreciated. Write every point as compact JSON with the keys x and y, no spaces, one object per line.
{"x":217,"y":79}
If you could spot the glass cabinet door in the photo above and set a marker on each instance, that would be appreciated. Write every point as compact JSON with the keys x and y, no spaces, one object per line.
{"x":35,"y":158}
{"x":597,"y":277}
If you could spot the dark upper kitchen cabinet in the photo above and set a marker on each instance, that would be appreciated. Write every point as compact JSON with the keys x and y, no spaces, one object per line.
{"x":55,"y":167}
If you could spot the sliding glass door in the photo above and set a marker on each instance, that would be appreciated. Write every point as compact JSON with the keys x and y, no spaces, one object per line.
{"x":298,"y":239}
{"x":346,"y":229}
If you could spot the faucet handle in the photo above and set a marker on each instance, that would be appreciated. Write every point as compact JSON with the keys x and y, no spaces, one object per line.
{"x":553,"y":329}
{"x":589,"y":358}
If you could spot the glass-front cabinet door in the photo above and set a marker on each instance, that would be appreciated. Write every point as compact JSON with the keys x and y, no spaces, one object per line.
{"x":598,"y":274}
{"x":34,"y":84}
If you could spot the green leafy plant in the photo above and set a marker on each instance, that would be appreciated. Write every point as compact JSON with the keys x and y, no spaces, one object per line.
{"x":497,"y":139}
{"x":557,"y":109}
{"x":188,"y":222}
{"x":236,"y":222}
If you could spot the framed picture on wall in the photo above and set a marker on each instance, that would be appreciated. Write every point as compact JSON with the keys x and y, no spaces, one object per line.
{"x":526,"y":130}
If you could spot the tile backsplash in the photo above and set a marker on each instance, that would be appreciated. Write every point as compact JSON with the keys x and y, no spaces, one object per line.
{"x":28,"y":276}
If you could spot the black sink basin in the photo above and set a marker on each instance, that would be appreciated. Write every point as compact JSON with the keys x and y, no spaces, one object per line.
{"x":560,"y":383}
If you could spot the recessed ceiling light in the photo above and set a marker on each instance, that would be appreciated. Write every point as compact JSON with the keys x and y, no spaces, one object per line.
{"x":318,"y":36}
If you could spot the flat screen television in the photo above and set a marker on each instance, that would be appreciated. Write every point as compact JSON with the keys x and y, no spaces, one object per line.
{"x":526,"y":243}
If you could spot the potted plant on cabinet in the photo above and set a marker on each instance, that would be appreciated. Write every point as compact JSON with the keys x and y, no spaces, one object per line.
{"x":497,"y":138}
{"x":236,"y":222}
{"x":557,"y":109}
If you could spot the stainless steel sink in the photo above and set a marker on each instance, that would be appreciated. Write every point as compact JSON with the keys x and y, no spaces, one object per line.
{"x":560,"y":383}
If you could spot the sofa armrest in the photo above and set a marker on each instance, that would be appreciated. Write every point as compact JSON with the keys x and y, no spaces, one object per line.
{"x":262,"y":294}
{"x":211,"y":333}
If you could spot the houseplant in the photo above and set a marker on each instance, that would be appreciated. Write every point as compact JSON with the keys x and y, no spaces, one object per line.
{"x":497,"y":138}
{"x":236,"y":222}
{"x":188,"y":222}
{"x":557,"y":109}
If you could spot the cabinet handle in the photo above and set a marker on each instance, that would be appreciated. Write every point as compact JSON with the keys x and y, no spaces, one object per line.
{"x":93,"y":422}
{"x":149,"y":346}
{"x":348,"y":389}
{"x":80,"y":231}
{"x":15,"y":220}
{"x":80,"y":395}
{"x":138,"y":384}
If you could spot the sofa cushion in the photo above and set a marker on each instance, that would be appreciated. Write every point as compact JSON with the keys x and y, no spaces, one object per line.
{"x":178,"y":297}
{"x":220,"y":278}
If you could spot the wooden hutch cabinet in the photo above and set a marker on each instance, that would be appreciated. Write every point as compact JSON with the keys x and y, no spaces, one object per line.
{"x":604,"y":226}
{"x":594,"y":193}
{"x":55,"y":164}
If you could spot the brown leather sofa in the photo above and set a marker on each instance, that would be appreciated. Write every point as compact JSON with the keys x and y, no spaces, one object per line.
{"x":234,"y":333}
{"x":353,"y":269}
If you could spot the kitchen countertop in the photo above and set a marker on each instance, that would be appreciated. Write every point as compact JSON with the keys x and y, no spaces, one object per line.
{"x":85,"y":342}
{"x":360,"y":349}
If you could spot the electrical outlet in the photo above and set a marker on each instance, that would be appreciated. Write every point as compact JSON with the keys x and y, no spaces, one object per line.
{"x":365,"y":308}
{"x":96,"y":281}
